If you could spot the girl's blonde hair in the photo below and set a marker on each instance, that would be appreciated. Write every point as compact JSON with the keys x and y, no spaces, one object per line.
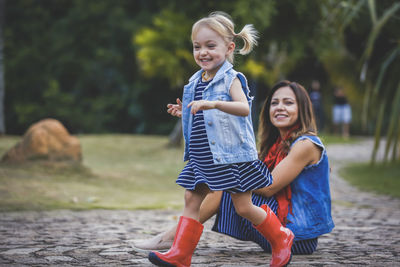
{"x":221,"y":23}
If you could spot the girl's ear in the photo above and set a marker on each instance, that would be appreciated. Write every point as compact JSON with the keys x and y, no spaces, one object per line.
{"x":231,"y":47}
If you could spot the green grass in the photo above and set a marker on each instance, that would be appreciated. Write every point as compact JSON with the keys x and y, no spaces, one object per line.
{"x":335,"y":139}
{"x":381,"y":179}
{"x":118,"y":172}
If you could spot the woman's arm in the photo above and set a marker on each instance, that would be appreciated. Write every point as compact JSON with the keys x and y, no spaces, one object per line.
{"x":302,"y":154}
{"x":238,"y":106}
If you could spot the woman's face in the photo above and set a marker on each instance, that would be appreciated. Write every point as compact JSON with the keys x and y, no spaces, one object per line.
{"x":284,"y":110}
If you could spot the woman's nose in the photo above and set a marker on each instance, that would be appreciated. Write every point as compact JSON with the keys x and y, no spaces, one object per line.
{"x":280,"y":106}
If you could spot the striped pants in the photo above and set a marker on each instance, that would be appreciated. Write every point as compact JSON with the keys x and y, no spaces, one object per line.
{"x":230,"y":223}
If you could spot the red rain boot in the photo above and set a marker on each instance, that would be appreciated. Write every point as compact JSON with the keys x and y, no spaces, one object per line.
{"x":280,"y":238}
{"x":187,"y":236}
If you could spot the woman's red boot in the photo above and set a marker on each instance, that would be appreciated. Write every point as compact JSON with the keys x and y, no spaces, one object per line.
{"x":280,"y":238}
{"x":187,"y":236}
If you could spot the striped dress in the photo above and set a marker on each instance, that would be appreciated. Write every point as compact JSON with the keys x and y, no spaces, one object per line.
{"x":230,"y":223}
{"x":200,"y":169}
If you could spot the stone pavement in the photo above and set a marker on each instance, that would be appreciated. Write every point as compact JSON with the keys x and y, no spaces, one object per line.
{"x":367,"y":232}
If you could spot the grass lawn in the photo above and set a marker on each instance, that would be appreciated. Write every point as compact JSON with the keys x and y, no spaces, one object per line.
{"x":118,"y":172}
{"x":381,"y":179}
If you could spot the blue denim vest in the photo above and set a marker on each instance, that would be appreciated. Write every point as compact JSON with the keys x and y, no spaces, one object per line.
{"x":231,"y":138}
{"x":311,"y":198}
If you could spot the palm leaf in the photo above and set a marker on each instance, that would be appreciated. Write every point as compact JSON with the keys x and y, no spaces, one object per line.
{"x":376,"y":29}
{"x":378,"y":131}
{"x":396,"y":142}
{"x":351,"y":14}
{"x":393,"y":122}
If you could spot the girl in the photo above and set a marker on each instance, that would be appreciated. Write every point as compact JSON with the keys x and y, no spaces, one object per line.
{"x":219,"y":143}
{"x":303,"y":166}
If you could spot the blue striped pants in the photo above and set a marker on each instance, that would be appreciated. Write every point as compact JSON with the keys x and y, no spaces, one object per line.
{"x":230,"y":223}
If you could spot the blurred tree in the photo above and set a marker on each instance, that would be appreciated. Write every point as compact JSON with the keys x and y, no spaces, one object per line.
{"x":74,"y":62}
{"x":102,"y":66}
{"x":363,"y":41}
{"x":2,"y":89}
{"x":384,"y":82}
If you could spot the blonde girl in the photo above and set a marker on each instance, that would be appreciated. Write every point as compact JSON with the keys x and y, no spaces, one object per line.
{"x":219,"y":142}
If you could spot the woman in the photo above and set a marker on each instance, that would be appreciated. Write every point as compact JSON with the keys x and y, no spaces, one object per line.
{"x":299,"y":195}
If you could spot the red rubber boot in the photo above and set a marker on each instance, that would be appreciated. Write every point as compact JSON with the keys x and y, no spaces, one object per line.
{"x":187,"y":236}
{"x":280,"y":238}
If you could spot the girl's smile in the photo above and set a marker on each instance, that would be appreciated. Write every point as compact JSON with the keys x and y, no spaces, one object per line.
{"x":210,"y":50}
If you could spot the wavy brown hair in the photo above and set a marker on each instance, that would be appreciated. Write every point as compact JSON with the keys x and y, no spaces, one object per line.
{"x":268,"y":133}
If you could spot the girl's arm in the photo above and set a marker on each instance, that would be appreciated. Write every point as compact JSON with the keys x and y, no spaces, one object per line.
{"x":238,"y":106}
{"x":302,"y":154}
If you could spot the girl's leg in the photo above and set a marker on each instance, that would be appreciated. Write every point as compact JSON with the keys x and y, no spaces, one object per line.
{"x":188,"y":232}
{"x":208,"y":208}
{"x":194,"y":200}
{"x":280,"y":238}
{"x":245,"y":208}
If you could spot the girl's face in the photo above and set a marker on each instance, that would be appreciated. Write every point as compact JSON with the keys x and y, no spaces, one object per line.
{"x":284,"y":110}
{"x":210,"y":50}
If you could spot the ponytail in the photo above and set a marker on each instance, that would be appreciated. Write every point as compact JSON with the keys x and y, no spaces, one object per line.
{"x":249,"y":35}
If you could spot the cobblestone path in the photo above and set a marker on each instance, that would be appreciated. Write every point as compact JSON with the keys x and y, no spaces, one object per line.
{"x":367,"y":232}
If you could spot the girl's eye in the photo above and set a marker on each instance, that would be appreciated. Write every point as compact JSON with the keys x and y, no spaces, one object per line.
{"x":211,"y":45}
{"x":274,"y":103}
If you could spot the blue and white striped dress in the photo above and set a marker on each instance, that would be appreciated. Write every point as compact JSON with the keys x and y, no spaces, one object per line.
{"x":233,"y":178}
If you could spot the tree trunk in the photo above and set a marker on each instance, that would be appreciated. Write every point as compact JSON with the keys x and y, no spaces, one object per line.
{"x":2,"y":88}
{"x":175,"y":138}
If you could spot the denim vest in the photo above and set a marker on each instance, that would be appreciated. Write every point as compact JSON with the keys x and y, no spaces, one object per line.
{"x":230,"y":137}
{"x":311,"y":198}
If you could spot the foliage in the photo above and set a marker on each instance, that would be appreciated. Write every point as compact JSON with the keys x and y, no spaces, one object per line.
{"x":73,"y":62}
{"x":162,"y":50}
{"x":364,"y":60}
{"x":112,"y":66}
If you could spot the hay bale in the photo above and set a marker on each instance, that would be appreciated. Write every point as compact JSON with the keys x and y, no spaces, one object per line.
{"x":48,"y":140}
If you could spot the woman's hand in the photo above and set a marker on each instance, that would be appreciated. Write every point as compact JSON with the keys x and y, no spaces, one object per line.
{"x":175,"y":109}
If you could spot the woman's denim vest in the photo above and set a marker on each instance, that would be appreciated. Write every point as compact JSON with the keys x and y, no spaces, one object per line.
{"x":230,"y":137}
{"x":311,"y":198}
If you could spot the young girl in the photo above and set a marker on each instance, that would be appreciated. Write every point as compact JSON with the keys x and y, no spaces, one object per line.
{"x":219,"y":143}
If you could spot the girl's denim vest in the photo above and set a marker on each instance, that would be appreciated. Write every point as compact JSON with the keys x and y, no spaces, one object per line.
{"x":311,"y":198}
{"x":231,"y":138}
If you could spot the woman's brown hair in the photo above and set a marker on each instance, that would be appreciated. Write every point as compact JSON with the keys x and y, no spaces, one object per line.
{"x":268,"y":133}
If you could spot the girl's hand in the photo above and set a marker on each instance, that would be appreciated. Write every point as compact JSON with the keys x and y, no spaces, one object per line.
{"x":201,"y":105}
{"x":175,"y":109}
